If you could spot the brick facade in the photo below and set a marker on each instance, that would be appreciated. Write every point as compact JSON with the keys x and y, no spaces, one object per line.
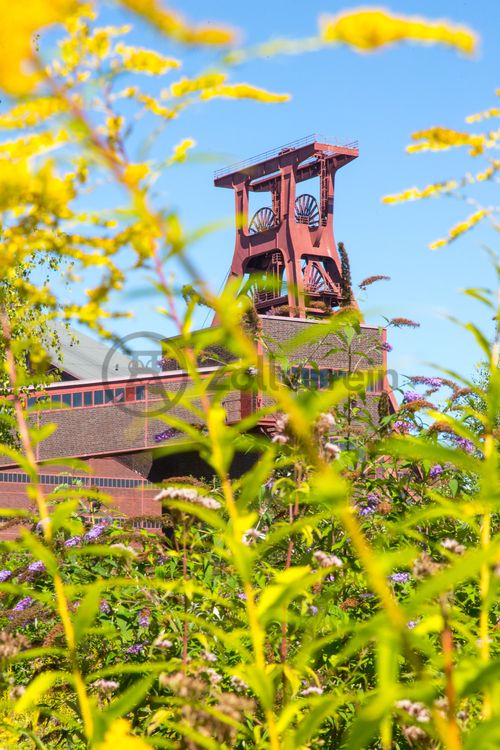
{"x":120,"y":439}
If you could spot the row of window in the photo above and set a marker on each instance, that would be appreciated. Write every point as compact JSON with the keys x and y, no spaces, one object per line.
{"x":308,"y":376}
{"x":325,"y":377}
{"x":56,"y":479}
{"x":91,"y":398}
{"x":138,"y":523}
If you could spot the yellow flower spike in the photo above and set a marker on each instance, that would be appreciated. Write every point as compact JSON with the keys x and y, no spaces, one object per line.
{"x":20,"y":23}
{"x":118,"y":736}
{"x":180,"y":151}
{"x":134,"y":173}
{"x":33,"y":112}
{"x":416,"y":194}
{"x":460,"y":229}
{"x":243,"y":91}
{"x":33,"y":145}
{"x":492,"y":112}
{"x":141,"y":60}
{"x":439,"y":139}
{"x":174,"y":26}
{"x":201,"y":83}
{"x":368,"y":29}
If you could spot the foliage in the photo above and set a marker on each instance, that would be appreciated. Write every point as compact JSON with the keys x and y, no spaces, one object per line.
{"x":340,"y":593}
{"x":481,"y":146}
{"x":346,"y":280}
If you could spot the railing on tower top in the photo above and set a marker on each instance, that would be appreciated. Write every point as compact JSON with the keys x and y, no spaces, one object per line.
{"x":305,"y":141}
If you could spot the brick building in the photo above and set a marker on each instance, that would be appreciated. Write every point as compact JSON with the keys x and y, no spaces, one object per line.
{"x":107,"y":404}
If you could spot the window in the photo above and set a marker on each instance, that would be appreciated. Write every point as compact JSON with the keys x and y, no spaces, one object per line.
{"x":66,"y":399}
{"x":119,"y":394}
{"x":314,"y":378}
{"x":325,"y":378}
{"x":77,"y":399}
{"x":304,"y":376}
{"x":109,"y":396}
{"x":114,"y":482}
{"x":56,"y":398}
{"x":31,"y":401}
{"x":140,"y":393}
{"x":87,"y":398}
{"x":98,"y":398}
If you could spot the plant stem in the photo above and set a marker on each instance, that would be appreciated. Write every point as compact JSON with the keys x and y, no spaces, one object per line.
{"x":184,"y":578}
{"x":61,"y":600}
{"x":453,"y":739}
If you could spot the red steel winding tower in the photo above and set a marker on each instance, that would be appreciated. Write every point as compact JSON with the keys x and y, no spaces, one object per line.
{"x":289,"y":246}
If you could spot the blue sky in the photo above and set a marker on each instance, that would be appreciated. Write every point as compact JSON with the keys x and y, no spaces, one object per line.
{"x":379,"y":100}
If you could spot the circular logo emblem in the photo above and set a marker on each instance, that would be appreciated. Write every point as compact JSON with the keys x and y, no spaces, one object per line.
{"x":148,"y":362}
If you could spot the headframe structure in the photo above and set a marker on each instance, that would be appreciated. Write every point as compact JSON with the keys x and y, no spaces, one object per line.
{"x":289,"y":247}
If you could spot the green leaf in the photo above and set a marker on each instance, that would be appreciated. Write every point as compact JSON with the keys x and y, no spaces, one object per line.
{"x":87,"y":610}
{"x":319,"y":710}
{"x":484,"y":736}
{"x":484,"y":677}
{"x":37,"y":689}
{"x":130,"y":698}
{"x":287,"y":586}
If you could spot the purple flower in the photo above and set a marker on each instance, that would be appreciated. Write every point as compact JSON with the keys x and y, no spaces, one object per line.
{"x":5,"y":575}
{"x":135,"y":649}
{"x":367,"y":595}
{"x":412,"y":624}
{"x":435,"y":471}
{"x":95,"y":532}
{"x":430,"y":382}
{"x":410,"y":396}
{"x":242,"y":596}
{"x":144,"y":619}
{"x":465,"y":445}
{"x":104,"y":607}
{"x":73,"y":541}
{"x":386,"y":347}
{"x":36,"y":567}
{"x":23,"y":604}
{"x":402,"y":426}
{"x":400,"y":577}
{"x":167,"y":434}
{"x":269,"y":484}
{"x":370,"y":506}
{"x":313,"y":610}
